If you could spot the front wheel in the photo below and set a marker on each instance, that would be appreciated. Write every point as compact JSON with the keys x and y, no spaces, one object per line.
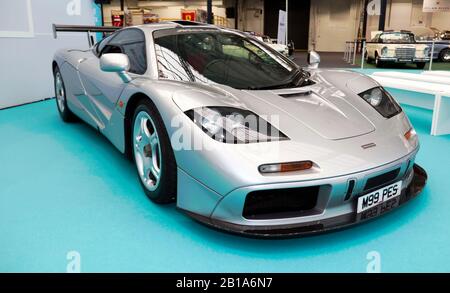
{"x":153,"y":154}
{"x":420,"y":65}
{"x":61,"y":98}
{"x":378,"y":62}
{"x":367,"y":58}
{"x":444,"y":56}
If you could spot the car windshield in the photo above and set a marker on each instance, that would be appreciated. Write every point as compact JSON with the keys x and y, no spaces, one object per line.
{"x":397,"y":38}
{"x":216,"y":56}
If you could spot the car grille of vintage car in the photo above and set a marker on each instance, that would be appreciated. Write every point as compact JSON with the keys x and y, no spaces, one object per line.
{"x":405,"y":53}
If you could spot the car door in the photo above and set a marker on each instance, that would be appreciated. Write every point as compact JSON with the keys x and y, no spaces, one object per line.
{"x":104,"y":88}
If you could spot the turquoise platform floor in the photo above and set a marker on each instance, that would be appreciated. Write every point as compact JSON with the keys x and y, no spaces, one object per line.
{"x":63,"y":187}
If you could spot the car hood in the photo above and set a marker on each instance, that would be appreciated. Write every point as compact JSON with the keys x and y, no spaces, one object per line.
{"x":328,"y":109}
{"x":325,"y":123}
{"x":418,"y":46}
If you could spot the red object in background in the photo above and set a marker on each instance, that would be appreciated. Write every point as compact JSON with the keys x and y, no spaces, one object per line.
{"x":188,"y":15}
{"x":117,"y":20}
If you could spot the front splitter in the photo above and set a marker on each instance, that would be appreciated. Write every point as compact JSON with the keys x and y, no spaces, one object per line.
{"x":325,"y":225}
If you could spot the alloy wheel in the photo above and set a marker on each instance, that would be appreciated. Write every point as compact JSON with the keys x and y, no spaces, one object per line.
{"x":147,"y":150}
{"x":59,"y":91}
{"x":446,"y":56}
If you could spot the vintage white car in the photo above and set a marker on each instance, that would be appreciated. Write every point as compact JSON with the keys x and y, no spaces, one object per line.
{"x":280,"y":48}
{"x":396,"y":47}
{"x":441,"y":51}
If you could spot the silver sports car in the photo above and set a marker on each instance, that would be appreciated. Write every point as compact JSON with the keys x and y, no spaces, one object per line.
{"x":240,"y":137}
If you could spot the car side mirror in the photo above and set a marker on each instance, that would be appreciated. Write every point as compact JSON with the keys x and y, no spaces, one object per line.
{"x":313,"y":59}
{"x":116,"y":62}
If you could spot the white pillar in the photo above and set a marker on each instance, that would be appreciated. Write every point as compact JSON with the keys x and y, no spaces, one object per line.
{"x":287,"y":25}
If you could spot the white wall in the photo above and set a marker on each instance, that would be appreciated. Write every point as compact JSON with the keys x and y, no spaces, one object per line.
{"x":441,"y":20}
{"x":404,"y":14}
{"x":27,"y":46}
{"x":249,"y":18}
{"x":399,"y":14}
{"x":332,"y":23}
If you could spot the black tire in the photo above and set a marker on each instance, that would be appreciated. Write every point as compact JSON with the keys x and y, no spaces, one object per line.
{"x":378,"y":62}
{"x":166,"y":190}
{"x":420,"y":65}
{"x":367,"y":58}
{"x":64,"y":112}
{"x":444,"y":55}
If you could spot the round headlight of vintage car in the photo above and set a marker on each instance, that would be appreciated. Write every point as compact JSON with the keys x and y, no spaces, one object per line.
{"x":426,"y":51}
{"x":381,"y":101}
{"x":233,"y":125}
{"x":384,"y":51}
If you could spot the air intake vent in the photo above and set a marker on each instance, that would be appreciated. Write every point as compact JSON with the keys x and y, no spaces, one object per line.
{"x":382,"y":179}
{"x":351,"y":186}
{"x":296,"y":95}
{"x":281,"y":203}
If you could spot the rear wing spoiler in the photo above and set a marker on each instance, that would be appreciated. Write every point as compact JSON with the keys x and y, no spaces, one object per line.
{"x":83,"y":28}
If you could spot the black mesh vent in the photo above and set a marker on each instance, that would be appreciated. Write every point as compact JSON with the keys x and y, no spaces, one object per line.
{"x":280,"y":203}
{"x":296,"y":95}
{"x":379,"y":180}
{"x":351,"y":186}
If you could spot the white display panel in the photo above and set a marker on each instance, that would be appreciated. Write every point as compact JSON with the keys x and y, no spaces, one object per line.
{"x":27,"y":45}
{"x":16,"y":20}
{"x":436,"y":5}
{"x":435,"y":86}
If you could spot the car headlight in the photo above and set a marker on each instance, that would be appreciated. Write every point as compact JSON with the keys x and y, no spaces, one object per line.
{"x":232,"y":125}
{"x":426,"y":51}
{"x":384,"y":51}
{"x":381,"y":101}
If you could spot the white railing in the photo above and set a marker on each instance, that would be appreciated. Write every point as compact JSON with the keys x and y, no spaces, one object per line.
{"x":435,"y":83}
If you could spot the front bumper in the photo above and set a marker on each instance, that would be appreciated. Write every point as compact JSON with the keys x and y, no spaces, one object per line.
{"x":400,"y":60}
{"x":415,"y":186}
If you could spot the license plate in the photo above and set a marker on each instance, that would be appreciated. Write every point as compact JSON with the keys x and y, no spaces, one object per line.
{"x":404,"y":60}
{"x":379,"y":209}
{"x":379,"y":196}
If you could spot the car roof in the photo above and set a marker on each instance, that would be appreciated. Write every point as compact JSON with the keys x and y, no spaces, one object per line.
{"x":174,"y":24}
{"x":397,"y":32}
